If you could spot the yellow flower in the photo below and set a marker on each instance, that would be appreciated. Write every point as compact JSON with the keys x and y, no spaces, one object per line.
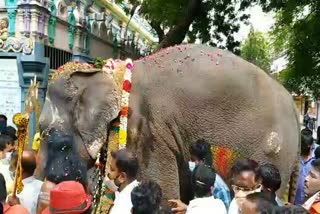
{"x":122,"y":137}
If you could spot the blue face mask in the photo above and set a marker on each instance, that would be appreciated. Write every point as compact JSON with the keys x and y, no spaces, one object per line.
{"x":192,"y":166}
{"x":8,"y":156}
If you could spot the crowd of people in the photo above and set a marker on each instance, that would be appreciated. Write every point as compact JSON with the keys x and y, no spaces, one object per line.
{"x":251,"y":187}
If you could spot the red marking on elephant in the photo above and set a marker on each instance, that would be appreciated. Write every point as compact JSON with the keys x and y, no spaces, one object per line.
{"x":222,"y":162}
{"x":127,"y":86}
{"x":219,"y":54}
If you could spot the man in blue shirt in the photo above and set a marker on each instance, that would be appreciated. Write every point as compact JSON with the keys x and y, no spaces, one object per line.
{"x":306,"y":158}
{"x":200,"y":153}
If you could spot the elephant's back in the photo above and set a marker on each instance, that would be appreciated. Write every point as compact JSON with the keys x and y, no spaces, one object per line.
{"x":215,"y":95}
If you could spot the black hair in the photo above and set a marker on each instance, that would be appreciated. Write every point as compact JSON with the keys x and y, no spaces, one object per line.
{"x":3,"y":189}
{"x":11,"y":131}
{"x":317,"y":153}
{"x":270,"y":176}
{"x":201,"y":150}
{"x":63,"y":163}
{"x":146,"y":198}
{"x":4,"y":141}
{"x":290,"y":210}
{"x":244,"y":165}
{"x":126,"y":162}
{"x":3,"y":123}
{"x":306,"y":142}
{"x":316,"y":164}
{"x":318,"y":135}
{"x":306,"y":131}
{"x":203,"y":179}
{"x":264,"y":204}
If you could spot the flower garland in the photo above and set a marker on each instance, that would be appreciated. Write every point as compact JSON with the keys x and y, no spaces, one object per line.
{"x":118,"y":133}
{"x":121,"y":127}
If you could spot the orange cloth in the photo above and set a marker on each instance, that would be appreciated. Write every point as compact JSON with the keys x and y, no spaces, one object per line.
{"x":16,"y":209}
{"x":315,"y":208}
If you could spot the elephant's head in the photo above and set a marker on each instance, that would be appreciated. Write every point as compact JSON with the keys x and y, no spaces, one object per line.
{"x":81,"y":101}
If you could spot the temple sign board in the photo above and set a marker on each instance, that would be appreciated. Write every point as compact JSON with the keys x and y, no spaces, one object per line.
{"x":10,"y":91}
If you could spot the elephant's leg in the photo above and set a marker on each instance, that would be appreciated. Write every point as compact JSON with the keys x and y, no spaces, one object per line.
{"x":162,"y":167}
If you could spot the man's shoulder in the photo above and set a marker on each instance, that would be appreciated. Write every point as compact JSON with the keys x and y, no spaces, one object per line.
{"x":15,"y":209}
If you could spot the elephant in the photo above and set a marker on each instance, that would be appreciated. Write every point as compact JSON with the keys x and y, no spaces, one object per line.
{"x":180,"y":95}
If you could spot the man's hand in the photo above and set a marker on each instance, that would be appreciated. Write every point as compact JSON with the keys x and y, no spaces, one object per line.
{"x":178,"y":206}
{"x":13,"y":200}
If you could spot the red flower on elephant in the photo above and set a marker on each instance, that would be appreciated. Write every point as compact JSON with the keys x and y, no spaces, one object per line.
{"x":127,"y":86}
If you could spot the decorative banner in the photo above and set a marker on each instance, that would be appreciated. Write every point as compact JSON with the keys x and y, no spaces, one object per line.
{"x":10,"y":91}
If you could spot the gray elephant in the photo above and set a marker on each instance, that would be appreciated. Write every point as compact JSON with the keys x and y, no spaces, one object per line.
{"x":179,"y":95}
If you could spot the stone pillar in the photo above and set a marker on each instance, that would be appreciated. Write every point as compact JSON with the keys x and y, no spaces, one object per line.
{"x":78,"y":40}
{"x":20,"y":26}
{"x":12,"y":12}
{"x":34,"y":23}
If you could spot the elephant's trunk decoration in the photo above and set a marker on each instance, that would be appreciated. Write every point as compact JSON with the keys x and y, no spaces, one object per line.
{"x":22,"y":121}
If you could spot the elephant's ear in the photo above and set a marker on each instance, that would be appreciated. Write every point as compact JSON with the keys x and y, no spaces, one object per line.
{"x":96,"y":104}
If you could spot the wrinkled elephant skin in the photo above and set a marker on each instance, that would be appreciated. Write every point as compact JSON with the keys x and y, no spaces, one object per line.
{"x":180,"y":95}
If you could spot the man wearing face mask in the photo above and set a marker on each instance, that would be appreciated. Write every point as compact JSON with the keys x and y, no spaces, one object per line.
{"x":201,"y":154}
{"x":123,"y":174}
{"x":244,"y":182}
{"x":312,"y":188}
{"x":6,"y":148}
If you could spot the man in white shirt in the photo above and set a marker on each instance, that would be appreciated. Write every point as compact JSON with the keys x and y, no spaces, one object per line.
{"x":203,"y":184}
{"x":31,"y":186}
{"x":123,"y":173}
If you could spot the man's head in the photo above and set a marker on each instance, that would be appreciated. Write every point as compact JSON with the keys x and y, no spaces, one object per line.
{"x":270,"y":178}
{"x":61,"y":195}
{"x":257,"y":203}
{"x":317,"y":153}
{"x":3,"y":123}
{"x":290,"y":210}
{"x":199,"y":152}
{"x":124,"y":167}
{"x":306,"y":144}
{"x":244,"y":180}
{"x":6,"y":145}
{"x":146,"y":198}
{"x":12,"y":132}
{"x":28,"y":163}
{"x":203,"y":181}
{"x":312,"y":182}
{"x":306,"y":131}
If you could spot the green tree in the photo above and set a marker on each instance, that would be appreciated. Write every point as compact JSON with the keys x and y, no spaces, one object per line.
{"x":297,"y":34}
{"x":210,"y":21}
{"x":256,"y":50}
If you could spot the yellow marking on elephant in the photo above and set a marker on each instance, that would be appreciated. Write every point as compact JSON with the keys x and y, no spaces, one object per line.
{"x":273,"y":144}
